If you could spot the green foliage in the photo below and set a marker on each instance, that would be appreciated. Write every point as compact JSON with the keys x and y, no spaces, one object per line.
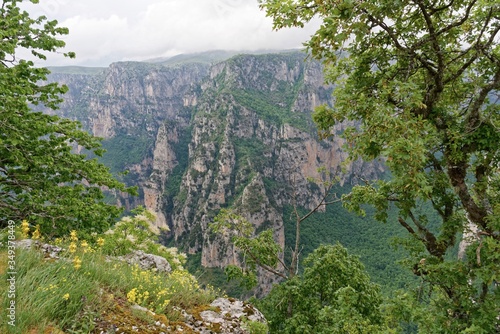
{"x":250,"y":151}
{"x":41,"y":178}
{"x":259,"y":250}
{"x":74,"y":296}
{"x":214,"y":277}
{"x":361,"y":235}
{"x":172,"y":186}
{"x":125,"y":150}
{"x":255,"y":327}
{"x":41,"y":288}
{"x":333,"y":295}
{"x":138,"y":232}
{"x":273,"y":107}
{"x":130,"y":233}
{"x":247,"y":278}
{"x":420,"y":80}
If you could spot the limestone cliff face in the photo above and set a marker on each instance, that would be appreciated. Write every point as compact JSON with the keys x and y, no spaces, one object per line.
{"x":252,"y":146}
{"x":140,"y":110}
{"x":198,"y":138}
{"x":164,"y":161}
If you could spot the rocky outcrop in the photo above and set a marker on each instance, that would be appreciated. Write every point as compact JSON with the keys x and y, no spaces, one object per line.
{"x":198,"y":138}
{"x":147,"y":261}
{"x":223,"y":315}
{"x":49,"y":251}
{"x":164,"y":161}
{"x":117,"y":315}
{"x":140,"y":110}
{"x":230,"y":316}
{"x":240,"y":147}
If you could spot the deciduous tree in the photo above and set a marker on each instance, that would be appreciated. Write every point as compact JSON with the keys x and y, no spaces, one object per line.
{"x":42,"y":178}
{"x":333,"y":295}
{"x":422,"y":79}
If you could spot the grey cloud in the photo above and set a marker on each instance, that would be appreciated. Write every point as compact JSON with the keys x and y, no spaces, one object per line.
{"x":112,"y":30}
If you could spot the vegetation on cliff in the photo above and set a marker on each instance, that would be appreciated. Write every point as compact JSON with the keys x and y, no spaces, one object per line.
{"x":77,"y":285}
{"x":42,"y":177}
{"x":416,"y":91}
{"x":422,"y":79}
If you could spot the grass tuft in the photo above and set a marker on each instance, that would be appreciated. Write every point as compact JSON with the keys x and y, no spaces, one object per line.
{"x":84,"y":291}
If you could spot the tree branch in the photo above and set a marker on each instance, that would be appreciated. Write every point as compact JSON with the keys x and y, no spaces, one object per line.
{"x":440,"y":9}
{"x":408,"y":228}
{"x":474,"y":46}
{"x":427,"y":65}
{"x":457,"y":172}
{"x":264,"y":266}
{"x":473,"y":119}
{"x":459,"y":22}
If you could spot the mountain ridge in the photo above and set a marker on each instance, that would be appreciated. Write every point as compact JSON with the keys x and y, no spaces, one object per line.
{"x":196,"y":138}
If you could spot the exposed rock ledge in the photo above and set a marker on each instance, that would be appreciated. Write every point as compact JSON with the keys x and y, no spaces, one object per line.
{"x":231,"y":316}
{"x":223,"y":315}
{"x":49,"y":251}
{"x":147,"y":261}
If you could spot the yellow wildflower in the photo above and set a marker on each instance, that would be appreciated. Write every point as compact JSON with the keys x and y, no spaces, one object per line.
{"x":100,"y":241}
{"x":36,"y":234}
{"x":84,"y":245}
{"x":77,"y":263}
{"x":131,"y":295}
{"x":25,"y":228}
{"x":72,"y":236}
{"x":72,"y":247}
{"x":66,"y":296}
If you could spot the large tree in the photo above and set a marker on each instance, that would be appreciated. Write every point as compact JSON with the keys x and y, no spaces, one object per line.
{"x":42,"y":178}
{"x":421,"y":79}
{"x":333,"y":295}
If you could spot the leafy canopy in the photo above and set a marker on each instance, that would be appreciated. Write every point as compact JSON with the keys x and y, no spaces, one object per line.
{"x":333,"y":295}
{"x":421,"y":81}
{"x":42,"y":179}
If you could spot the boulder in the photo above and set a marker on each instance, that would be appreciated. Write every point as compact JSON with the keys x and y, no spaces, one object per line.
{"x":228,"y":315}
{"x":49,"y":251}
{"x":147,"y":261}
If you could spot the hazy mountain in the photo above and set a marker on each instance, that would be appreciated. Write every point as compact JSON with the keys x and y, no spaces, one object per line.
{"x":202,"y":132}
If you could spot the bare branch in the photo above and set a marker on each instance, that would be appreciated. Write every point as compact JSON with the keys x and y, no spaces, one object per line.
{"x":264,"y":266}
{"x":476,"y":46}
{"x":440,"y":9}
{"x":408,"y":227}
{"x":459,"y":22}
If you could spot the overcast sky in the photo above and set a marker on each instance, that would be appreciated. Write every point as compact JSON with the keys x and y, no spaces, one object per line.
{"x":104,"y":31}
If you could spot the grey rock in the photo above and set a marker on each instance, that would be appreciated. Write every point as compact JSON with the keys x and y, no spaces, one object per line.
{"x":230,"y":318}
{"x":237,"y":309}
{"x":212,"y":317}
{"x":49,"y":251}
{"x":142,"y":309}
{"x":147,"y":261}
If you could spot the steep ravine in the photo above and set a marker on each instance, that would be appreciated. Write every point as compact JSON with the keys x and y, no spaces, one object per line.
{"x":198,"y":138}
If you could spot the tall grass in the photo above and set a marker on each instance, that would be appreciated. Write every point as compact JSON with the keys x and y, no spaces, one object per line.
{"x":61,"y":293}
